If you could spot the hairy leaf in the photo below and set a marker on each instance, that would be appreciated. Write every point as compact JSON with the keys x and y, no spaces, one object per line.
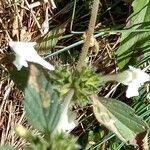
{"x":120,"y":119}
{"x":135,"y":43}
{"x":41,"y":101}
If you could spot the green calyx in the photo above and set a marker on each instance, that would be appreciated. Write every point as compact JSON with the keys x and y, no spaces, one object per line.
{"x":83,"y":83}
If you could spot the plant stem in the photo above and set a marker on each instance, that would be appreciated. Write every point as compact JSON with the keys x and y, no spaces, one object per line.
{"x":72,"y":46}
{"x":89,"y":35}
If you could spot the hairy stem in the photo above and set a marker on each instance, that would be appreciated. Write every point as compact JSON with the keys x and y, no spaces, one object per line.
{"x":89,"y":35}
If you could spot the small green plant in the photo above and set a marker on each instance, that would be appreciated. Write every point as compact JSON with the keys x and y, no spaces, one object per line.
{"x":51,"y":92}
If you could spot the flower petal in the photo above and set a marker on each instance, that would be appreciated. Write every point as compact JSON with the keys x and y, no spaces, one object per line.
{"x":134,"y":78}
{"x":19,"y":62}
{"x":25,"y":52}
{"x":39,"y":60}
{"x":67,"y":122}
{"x":132,"y":90}
{"x":67,"y":119}
{"x":139,"y":75}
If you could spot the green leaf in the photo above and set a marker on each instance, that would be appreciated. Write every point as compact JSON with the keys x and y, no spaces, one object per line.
{"x":46,"y":43}
{"x":41,"y":102}
{"x":6,"y":147}
{"x":120,"y":119}
{"x":135,"y":44}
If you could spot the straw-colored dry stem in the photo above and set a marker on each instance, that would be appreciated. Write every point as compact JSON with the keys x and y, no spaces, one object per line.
{"x":90,"y":32}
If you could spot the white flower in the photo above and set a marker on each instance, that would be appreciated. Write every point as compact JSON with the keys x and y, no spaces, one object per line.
{"x":25,"y":52}
{"x":134,"y":78}
{"x":67,"y":121}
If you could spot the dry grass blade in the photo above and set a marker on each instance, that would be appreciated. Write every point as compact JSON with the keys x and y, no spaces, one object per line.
{"x":15,"y":23}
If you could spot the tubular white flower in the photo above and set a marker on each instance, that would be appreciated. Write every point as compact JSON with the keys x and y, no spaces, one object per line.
{"x":25,"y":52}
{"x":134,"y":78}
{"x":67,"y":121}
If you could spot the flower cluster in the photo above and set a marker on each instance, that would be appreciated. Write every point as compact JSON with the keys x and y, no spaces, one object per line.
{"x":84,"y":83}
